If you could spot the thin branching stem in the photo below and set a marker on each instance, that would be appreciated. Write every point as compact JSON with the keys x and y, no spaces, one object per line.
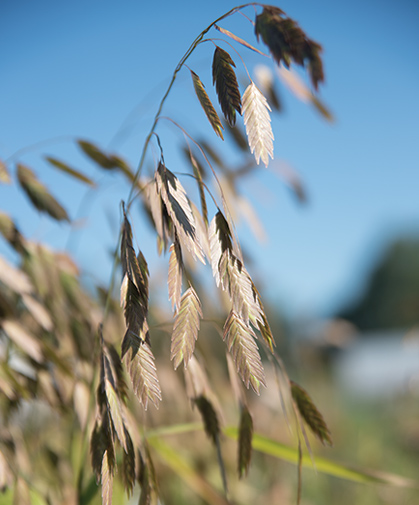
{"x":179,"y":66}
{"x":36,"y":146}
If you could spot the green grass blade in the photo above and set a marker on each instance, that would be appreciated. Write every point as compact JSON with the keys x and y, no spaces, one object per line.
{"x":273,"y":448}
{"x":281,"y":451}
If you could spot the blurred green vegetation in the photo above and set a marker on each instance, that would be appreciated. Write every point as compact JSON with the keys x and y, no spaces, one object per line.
{"x":391,"y":293}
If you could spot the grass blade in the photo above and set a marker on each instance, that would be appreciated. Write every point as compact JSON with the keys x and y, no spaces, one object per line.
{"x":271,"y":447}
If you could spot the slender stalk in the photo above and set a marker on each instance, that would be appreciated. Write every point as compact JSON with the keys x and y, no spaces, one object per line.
{"x":179,"y":66}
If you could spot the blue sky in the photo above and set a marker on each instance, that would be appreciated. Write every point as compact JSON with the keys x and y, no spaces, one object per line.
{"x":78,"y":69}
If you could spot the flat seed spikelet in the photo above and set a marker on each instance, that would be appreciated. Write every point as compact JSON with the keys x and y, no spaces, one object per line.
{"x":185,"y":329}
{"x":39,"y":195}
{"x":245,"y":441}
{"x":209,"y":417}
{"x":225,"y":81}
{"x":287,"y":42}
{"x":179,"y":209}
{"x":311,"y":414}
{"x":207,"y":105}
{"x":240,"y":340}
{"x":255,"y":110}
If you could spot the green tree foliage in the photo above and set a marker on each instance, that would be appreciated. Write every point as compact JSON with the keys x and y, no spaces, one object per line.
{"x":391,"y":295}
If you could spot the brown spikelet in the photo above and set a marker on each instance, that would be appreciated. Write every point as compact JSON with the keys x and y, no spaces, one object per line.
{"x":4,"y":174}
{"x":207,"y":105}
{"x":135,"y":268}
{"x":136,"y":350}
{"x":220,"y":241}
{"x":212,"y":429}
{"x":101,"y":442}
{"x":179,"y":209}
{"x":311,"y":414}
{"x":128,"y":465}
{"x":104,"y":160}
{"x":97,"y":155}
{"x":245,"y":441}
{"x":39,"y":195}
{"x":109,"y":385}
{"x":63,"y":167}
{"x":209,"y":417}
{"x":11,"y":233}
{"x":225,"y":81}
{"x":147,"y":477}
{"x":287,"y":42}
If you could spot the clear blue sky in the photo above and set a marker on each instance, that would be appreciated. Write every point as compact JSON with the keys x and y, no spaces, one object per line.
{"x":77,"y":69}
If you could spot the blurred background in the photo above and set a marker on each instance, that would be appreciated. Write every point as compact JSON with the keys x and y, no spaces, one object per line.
{"x":330,"y":229}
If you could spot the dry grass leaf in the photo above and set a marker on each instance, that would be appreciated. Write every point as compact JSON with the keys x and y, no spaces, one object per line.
{"x":207,"y":105}
{"x":225,"y":81}
{"x":6,"y":473}
{"x":38,"y":311}
{"x":291,"y":79}
{"x":240,"y":340}
{"x":21,"y":492}
{"x":185,"y":329}
{"x":239,"y":40}
{"x":14,"y":278}
{"x":39,"y":195}
{"x":196,"y":380}
{"x":266,"y":83}
{"x":81,"y":398}
{"x":24,"y":340}
{"x":255,"y":110}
